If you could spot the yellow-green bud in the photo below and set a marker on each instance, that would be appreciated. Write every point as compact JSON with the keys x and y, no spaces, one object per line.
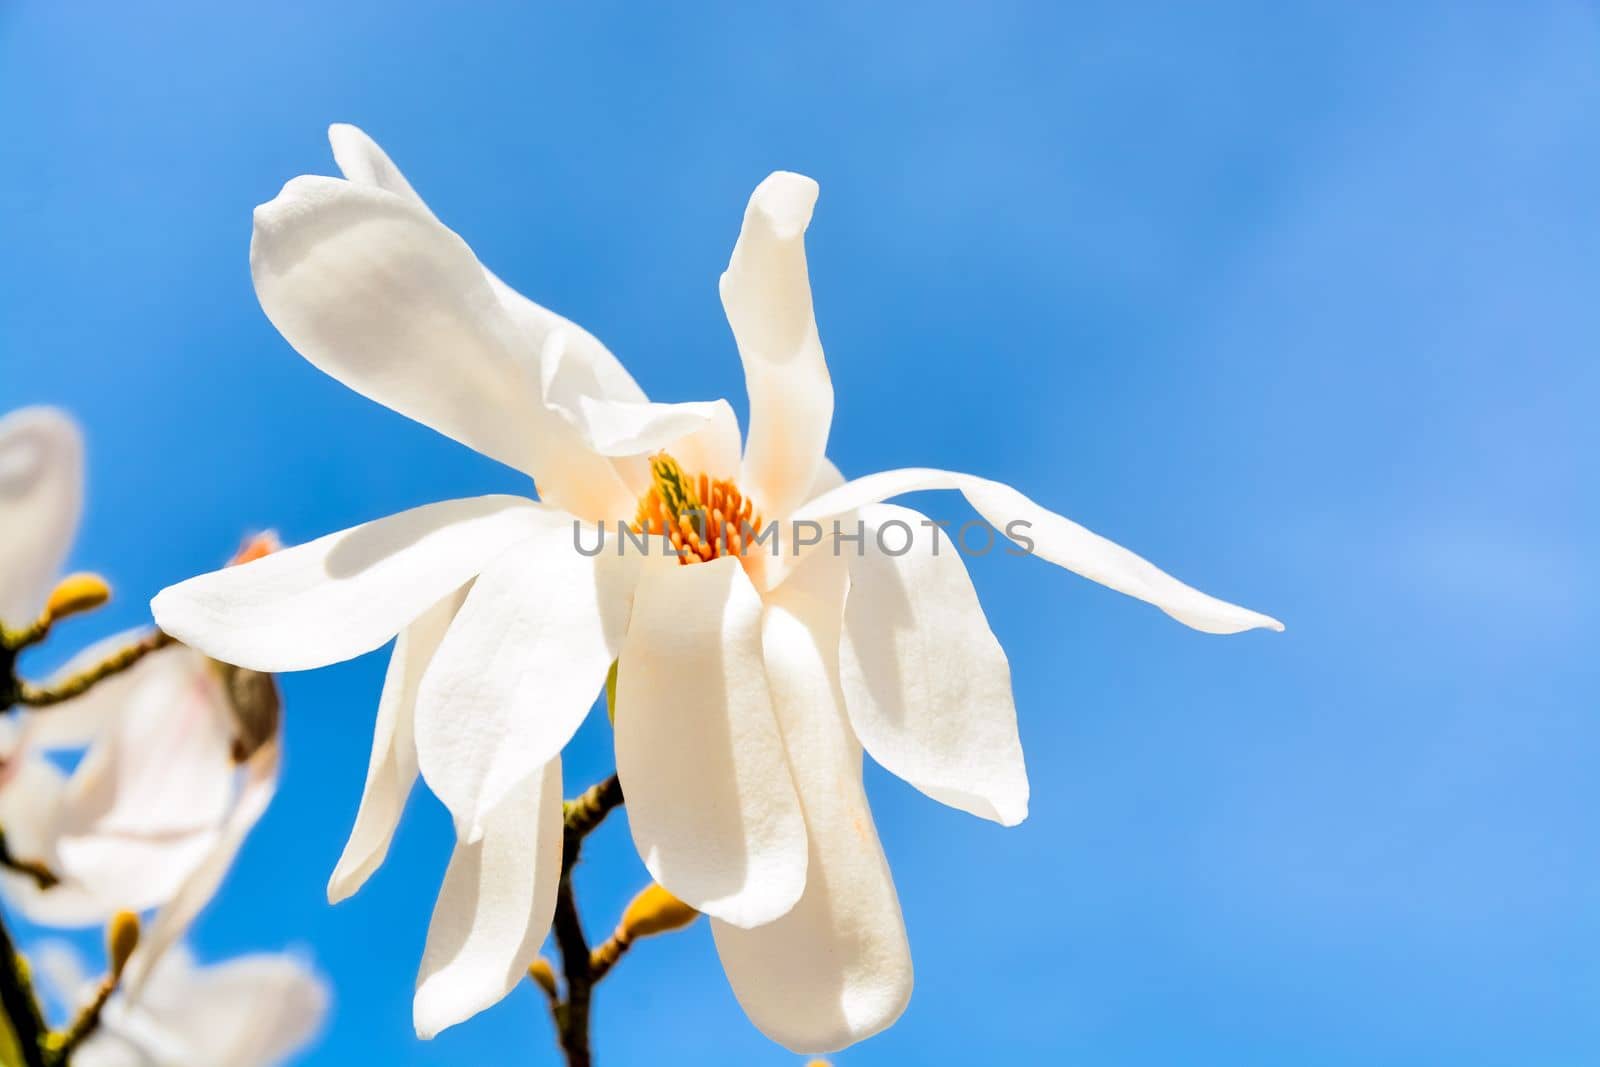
{"x":122,"y":937}
{"x":655,"y":911}
{"x":543,"y":975}
{"x":77,"y":593}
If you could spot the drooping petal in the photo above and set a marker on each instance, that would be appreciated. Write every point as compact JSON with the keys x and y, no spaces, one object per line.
{"x":519,"y":669}
{"x":766,"y":293}
{"x":710,"y":800}
{"x":260,"y":775}
{"x":373,"y":291}
{"x":837,"y":968}
{"x":392,"y":769}
{"x":926,"y":682}
{"x":41,"y":498}
{"x":494,"y":907}
{"x":347,"y":593}
{"x":1050,"y":537}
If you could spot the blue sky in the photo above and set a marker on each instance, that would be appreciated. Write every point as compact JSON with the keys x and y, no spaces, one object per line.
{"x":1296,"y":300}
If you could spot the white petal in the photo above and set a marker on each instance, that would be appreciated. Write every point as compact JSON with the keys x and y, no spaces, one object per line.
{"x":703,"y":436}
{"x":766,"y":293}
{"x":519,"y":669}
{"x":30,"y":810}
{"x":836,"y":969}
{"x":587,"y":367}
{"x":347,"y":593}
{"x":251,"y":1011}
{"x":925,"y":680}
{"x":494,"y":907}
{"x":392,"y":769}
{"x":364,"y":163}
{"x":710,"y":801}
{"x":1055,"y":539}
{"x":175,"y":917}
{"x":41,"y":497}
{"x":372,"y":290}
{"x":149,"y":799}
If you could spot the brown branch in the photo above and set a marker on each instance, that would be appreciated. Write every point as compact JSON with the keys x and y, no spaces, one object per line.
{"x":571,"y":1015}
{"x":18,"y":1002}
{"x":35,"y":696}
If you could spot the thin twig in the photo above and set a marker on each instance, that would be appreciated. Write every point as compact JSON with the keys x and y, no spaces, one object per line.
{"x":64,"y":1044}
{"x":35,"y":696}
{"x":572,"y":1014}
{"x":602,"y":959}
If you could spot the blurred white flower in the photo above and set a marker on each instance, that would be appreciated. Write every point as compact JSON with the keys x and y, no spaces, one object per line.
{"x":180,"y":753}
{"x":251,"y":1011}
{"x":747,"y":686}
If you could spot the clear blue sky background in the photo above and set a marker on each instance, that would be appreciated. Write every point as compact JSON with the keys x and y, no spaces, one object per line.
{"x":1297,"y":300}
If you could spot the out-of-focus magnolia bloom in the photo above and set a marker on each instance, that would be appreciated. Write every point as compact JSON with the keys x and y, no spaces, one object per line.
{"x":179,"y":752}
{"x":747,"y":685}
{"x":251,"y":1011}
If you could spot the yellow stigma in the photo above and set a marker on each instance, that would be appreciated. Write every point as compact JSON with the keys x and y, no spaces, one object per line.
{"x":704,"y":518}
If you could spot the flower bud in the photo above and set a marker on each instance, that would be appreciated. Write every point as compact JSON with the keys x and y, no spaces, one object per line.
{"x":254,"y":548}
{"x":543,"y":975}
{"x":76,"y":593}
{"x":655,"y":911}
{"x":122,"y":937}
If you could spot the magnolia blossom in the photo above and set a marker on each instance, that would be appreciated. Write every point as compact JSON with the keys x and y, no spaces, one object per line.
{"x":252,"y":1011}
{"x":179,"y":753}
{"x":748,"y":684}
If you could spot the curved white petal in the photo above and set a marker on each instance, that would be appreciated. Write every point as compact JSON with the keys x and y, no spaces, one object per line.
{"x":1054,"y":539}
{"x":926,"y":683}
{"x":347,"y":593}
{"x":519,"y":669}
{"x":710,"y":800}
{"x":41,"y":498}
{"x":392,"y":769}
{"x":175,"y":917}
{"x":250,"y":1011}
{"x":149,"y":799}
{"x":766,"y":293}
{"x":572,"y":368}
{"x":374,"y":292}
{"x":494,"y":907}
{"x":837,"y":968}
{"x":364,"y":163}
{"x":588,"y":368}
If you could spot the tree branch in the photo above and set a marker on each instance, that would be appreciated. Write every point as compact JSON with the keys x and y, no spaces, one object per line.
{"x":571,"y":1014}
{"x":44,"y":696}
{"x":19,"y":1003}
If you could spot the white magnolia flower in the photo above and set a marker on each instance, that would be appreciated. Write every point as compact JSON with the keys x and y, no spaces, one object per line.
{"x":180,"y":752}
{"x":747,"y":686}
{"x":251,"y":1011}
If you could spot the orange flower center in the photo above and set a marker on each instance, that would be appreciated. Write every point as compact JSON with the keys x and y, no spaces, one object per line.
{"x":703,"y":517}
